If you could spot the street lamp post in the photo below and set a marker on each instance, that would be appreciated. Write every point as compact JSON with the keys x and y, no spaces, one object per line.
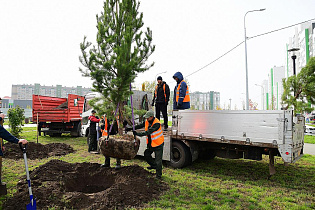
{"x":293,"y":50}
{"x":247,"y":96}
{"x":263,"y":95}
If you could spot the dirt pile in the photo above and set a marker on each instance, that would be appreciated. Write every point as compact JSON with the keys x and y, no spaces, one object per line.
{"x":37,"y":151}
{"x":87,"y":186}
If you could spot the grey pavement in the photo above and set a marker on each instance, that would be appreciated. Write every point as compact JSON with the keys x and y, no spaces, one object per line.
{"x":25,"y":125}
{"x":309,"y":149}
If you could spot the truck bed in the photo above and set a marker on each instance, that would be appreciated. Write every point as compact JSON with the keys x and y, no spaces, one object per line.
{"x":54,"y":109}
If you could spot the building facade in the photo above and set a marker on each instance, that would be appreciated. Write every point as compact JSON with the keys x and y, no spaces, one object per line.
{"x":25,"y":92}
{"x":301,"y":45}
{"x":304,"y":42}
{"x":205,"y":101}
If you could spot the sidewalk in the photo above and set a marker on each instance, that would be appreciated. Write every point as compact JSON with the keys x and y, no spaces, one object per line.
{"x":309,"y":149}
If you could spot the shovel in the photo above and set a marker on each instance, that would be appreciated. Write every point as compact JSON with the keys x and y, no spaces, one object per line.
{"x":32,"y":204}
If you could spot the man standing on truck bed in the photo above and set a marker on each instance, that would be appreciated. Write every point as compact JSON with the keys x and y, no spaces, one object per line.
{"x":155,"y":141}
{"x":161,"y":98}
{"x":181,"y":93}
{"x":93,"y":132}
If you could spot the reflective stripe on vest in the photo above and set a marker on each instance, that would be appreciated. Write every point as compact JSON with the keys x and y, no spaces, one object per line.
{"x":156,"y":87}
{"x":104,"y":132}
{"x":187,"y":97}
{"x":157,"y":137}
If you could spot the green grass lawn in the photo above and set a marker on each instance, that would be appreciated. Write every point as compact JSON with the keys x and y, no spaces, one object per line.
{"x":214,"y":184}
{"x":309,"y":139}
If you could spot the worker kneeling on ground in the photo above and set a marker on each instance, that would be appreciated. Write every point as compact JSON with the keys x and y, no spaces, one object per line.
{"x":155,"y":141}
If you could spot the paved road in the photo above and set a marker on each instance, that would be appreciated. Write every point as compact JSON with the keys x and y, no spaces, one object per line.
{"x":25,"y":125}
{"x":309,"y":149}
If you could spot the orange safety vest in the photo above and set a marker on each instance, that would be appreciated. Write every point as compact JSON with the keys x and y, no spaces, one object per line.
{"x":156,"y":87}
{"x":157,"y":137}
{"x":104,"y":132}
{"x":187,"y":97}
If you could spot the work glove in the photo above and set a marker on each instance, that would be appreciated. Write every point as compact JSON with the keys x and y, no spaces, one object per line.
{"x":152,"y":103}
{"x":134,"y":133}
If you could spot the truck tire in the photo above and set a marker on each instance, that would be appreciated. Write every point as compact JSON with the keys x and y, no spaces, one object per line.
{"x":180,"y":155}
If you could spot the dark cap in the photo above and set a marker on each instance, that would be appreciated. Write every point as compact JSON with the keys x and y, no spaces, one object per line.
{"x":159,"y":78}
{"x":93,"y":111}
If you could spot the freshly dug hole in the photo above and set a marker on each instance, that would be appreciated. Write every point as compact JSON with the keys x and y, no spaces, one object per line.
{"x":61,"y":185}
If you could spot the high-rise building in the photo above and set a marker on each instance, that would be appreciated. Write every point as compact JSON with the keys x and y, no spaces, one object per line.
{"x":302,"y":45}
{"x":304,"y":42}
{"x":275,"y":87}
{"x":25,"y":92}
{"x":205,"y":101}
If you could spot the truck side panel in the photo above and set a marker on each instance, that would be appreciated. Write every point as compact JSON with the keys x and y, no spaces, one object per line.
{"x":252,"y":126}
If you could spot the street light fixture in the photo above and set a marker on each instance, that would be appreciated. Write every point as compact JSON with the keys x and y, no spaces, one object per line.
{"x":293,"y":50}
{"x":263,"y":95}
{"x":247,"y":97}
{"x":158,"y":74}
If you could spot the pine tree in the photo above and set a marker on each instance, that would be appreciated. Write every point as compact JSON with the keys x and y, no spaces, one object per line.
{"x":121,"y":51}
{"x":299,"y":90}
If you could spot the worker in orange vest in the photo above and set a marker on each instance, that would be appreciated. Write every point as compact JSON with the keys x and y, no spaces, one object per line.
{"x":181,"y":93}
{"x":161,"y":98}
{"x":105,"y":129}
{"x":155,"y":142}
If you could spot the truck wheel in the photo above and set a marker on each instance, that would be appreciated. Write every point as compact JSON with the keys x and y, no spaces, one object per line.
{"x":180,"y":155}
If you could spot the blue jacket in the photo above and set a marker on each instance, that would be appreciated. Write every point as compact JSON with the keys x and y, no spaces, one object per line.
{"x":182,"y":93}
{"x":7,"y":136}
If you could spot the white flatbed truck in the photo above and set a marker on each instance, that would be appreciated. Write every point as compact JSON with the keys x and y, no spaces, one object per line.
{"x":232,"y":134}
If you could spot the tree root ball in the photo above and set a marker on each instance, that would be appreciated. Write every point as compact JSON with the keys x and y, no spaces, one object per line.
{"x":122,"y":147}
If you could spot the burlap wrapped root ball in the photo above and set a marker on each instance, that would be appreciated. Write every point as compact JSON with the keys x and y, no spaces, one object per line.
{"x":122,"y":147}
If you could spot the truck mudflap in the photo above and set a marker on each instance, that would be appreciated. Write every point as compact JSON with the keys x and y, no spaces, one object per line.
{"x":290,"y":145}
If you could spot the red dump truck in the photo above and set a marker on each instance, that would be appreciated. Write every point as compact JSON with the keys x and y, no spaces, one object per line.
{"x":58,"y":115}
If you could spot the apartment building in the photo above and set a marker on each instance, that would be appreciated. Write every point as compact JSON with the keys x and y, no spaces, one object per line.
{"x":25,"y":92}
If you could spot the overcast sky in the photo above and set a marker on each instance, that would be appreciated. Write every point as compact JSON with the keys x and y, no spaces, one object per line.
{"x":40,"y":41}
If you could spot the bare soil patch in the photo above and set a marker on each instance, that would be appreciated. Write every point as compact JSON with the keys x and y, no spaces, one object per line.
{"x":37,"y":151}
{"x":87,"y":186}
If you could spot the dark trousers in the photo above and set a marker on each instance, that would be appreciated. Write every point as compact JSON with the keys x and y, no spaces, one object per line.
{"x":92,"y":142}
{"x":161,"y":108}
{"x":107,"y":161}
{"x":157,"y":162}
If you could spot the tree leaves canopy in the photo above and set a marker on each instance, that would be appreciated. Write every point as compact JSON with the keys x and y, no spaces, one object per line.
{"x":299,"y":90}
{"x":121,"y":49}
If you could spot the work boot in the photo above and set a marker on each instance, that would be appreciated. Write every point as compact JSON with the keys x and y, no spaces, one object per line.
{"x":105,"y":165}
{"x":158,"y":177}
